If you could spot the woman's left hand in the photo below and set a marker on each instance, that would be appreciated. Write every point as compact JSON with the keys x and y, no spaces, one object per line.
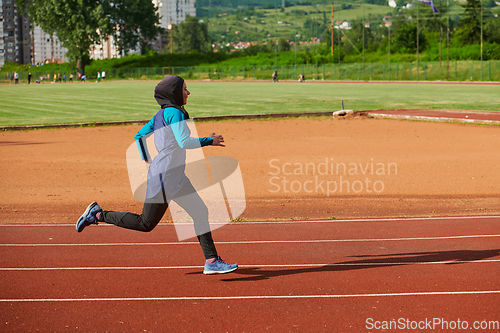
{"x":218,"y":139}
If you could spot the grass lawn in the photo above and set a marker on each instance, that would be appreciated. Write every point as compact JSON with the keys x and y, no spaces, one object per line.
{"x":116,"y":101}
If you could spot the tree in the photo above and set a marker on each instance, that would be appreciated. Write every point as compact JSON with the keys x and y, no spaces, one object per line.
{"x":283,"y":45}
{"x":492,"y":29}
{"x":191,"y":35}
{"x":79,"y":24}
{"x":133,"y":21}
{"x":470,"y":23}
{"x":406,"y":39}
{"x":355,"y":36}
{"x":430,"y":21}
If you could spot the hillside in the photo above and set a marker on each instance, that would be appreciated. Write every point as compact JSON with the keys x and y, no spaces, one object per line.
{"x":261,"y":25}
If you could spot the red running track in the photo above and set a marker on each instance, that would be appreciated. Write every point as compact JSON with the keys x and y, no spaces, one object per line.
{"x":333,"y":276}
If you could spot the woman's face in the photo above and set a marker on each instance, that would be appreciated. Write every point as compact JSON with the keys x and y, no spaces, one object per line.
{"x":185,"y":93}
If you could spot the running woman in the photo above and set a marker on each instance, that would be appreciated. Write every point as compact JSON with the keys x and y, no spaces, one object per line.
{"x":166,"y":178}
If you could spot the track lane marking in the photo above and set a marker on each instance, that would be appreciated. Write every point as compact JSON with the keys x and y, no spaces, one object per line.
{"x":249,"y":266}
{"x":227,"y":298}
{"x":282,"y":222}
{"x":258,"y":241}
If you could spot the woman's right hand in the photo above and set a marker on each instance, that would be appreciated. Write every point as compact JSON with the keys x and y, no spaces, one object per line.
{"x":218,"y":139}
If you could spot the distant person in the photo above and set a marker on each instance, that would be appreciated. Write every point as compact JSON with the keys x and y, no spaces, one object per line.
{"x":79,"y":76}
{"x":301,"y":78}
{"x":71,"y":78}
{"x":103,"y":75}
{"x":55,"y":77}
{"x":166,"y":180}
{"x":29,"y":78}
{"x":275,"y":76}
{"x":84,"y":77}
{"x":98,"y":77}
{"x":64,"y":78}
{"x":16,"y":78}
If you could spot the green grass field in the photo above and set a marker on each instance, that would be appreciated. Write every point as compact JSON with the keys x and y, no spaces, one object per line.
{"x":120,"y":101}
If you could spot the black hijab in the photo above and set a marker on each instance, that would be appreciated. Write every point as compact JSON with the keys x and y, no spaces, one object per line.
{"x":168,"y":93}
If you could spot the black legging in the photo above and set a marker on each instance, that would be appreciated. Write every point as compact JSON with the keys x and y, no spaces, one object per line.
{"x":154,"y":209}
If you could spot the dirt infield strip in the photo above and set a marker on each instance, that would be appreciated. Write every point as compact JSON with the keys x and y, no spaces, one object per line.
{"x":293,"y":168}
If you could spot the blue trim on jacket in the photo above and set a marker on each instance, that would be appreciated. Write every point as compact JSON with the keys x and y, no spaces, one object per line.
{"x":176,"y":120}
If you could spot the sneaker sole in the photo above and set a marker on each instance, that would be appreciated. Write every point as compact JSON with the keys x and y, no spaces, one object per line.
{"x":220,"y":272}
{"x":85,"y":213}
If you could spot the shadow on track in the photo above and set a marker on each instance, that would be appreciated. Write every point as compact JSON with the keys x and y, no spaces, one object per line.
{"x":389,"y":260}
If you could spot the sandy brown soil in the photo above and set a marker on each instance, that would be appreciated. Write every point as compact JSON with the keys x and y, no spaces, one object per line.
{"x":380,"y":168}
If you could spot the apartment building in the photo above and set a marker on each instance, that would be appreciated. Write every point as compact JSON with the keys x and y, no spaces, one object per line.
{"x":104,"y":50}
{"x":171,"y":12}
{"x":174,"y":11}
{"x":16,"y":34}
{"x":23,"y":42}
{"x":47,"y":47}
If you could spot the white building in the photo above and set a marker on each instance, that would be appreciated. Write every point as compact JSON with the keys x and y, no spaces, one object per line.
{"x":47,"y":47}
{"x":345,"y":25}
{"x":106,"y":49}
{"x":174,"y":11}
{"x":171,"y":12}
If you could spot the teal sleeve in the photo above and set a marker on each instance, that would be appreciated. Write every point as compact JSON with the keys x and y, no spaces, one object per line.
{"x":140,"y":139}
{"x":176,"y":120}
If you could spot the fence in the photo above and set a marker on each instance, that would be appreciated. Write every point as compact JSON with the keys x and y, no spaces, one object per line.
{"x":431,"y":71}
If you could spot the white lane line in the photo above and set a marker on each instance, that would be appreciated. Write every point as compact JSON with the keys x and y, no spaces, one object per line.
{"x":228,"y":298}
{"x":283,"y":222}
{"x":258,"y":241}
{"x":251,"y":266}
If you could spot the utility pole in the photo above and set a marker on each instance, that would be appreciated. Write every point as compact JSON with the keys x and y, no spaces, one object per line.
{"x":364,"y":23}
{"x":32,"y":31}
{"x":389,"y":40}
{"x":440,"y":43}
{"x":171,"y":37}
{"x":418,"y":37}
{"x":333,"y":26}
{"x":448,"y":41}
{"x":316,"y":42}
{"x":338,"y":44}
{"x":481,"y":40}
{"x":295,"y":46}
{"x":276,"y":35}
